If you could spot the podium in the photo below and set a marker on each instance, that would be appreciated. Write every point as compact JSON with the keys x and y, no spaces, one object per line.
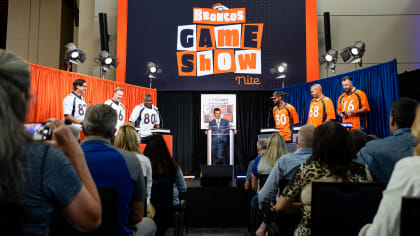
{"x":225,"y":132}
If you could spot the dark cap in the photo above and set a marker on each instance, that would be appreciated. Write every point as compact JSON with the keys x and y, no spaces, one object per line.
{"x":277,"y":94}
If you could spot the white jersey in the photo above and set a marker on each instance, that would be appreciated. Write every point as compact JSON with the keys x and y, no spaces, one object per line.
{"x":145,"y":118}
{"x":75,"y":106}
{"x":119,"y":108}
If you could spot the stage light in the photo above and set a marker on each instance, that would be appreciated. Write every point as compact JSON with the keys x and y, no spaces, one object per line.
{"x":73,"y":55}
{"x":330,"y":58}
{"x":153,"y":70}
{"x":105,"y":61}
{"x":355,"y":52}
{"x":279,"y":71}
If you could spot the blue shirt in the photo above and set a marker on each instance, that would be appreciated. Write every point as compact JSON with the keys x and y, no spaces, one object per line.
{"x":381,"y":155}
{"x":113,"y":167}
{"x":284,"y":168}
{"x":249,"y":170}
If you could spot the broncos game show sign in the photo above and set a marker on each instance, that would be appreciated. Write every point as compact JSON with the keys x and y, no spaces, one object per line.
{"x":203,"y":45}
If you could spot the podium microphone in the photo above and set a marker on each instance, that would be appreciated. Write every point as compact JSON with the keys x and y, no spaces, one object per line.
{"x":161,"y":119}
{"x":268,"y":118}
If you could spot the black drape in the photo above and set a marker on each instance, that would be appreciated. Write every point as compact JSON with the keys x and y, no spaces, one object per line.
{"x":181,"y":113}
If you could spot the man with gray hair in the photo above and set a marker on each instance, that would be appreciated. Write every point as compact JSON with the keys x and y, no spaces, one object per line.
{"x":285,"y":168}
{"x":321,"y":108}
{"x":146,"y":117}
{"x":103,"y":160}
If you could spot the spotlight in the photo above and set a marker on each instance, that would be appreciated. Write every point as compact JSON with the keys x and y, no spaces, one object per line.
{"x":72,"y":54}
{"x":330,"y":58}
{"x":356,"y":51}
{"x":105,"y":61}
{"x":153,"y":70}
{"x":279,"y":72}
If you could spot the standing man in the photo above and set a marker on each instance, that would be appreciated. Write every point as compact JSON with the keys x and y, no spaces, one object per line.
{"x":321,"y":108}
{"x":115,"y":103}
{"x":219,"y":136}
{"x":146,"y":117}
{"x":74,"y":105}
{"x":285,"y":115}
{"x":352,"y":105}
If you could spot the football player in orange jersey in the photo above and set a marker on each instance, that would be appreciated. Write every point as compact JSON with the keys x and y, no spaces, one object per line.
{"x":321,"y":108}
{"x":285,"y":115}
{"x":353,"y":105}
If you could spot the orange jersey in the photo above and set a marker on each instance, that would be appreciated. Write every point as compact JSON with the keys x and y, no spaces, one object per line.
{"x":282,"y":117}
{"x":356,"y":100}
{"x":321,"y":110}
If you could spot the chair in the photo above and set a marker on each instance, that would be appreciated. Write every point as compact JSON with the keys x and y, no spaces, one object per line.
{"x":166,"y":212}
{"x":343,"y":208}
{"x":11,"y":217}
{"x":410,"y":213}
{"x":109,"y":225}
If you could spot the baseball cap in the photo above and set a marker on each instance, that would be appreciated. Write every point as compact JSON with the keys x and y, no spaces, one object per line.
{"x":277,"y":94}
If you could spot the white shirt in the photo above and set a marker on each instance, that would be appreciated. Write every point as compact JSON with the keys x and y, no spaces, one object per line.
{"x":145,"y":118}
{"x":404,"y":182}
{"x":147,"y":171}
{"x":75,"y":106}
{"x":119,"y":108}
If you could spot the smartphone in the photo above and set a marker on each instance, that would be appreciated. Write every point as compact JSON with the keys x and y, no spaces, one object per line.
{"x":38,"y":131}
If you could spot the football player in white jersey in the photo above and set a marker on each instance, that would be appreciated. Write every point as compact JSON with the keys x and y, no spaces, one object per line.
{"x":146,"y":117}
{"x":74,"y":105}
{"x":115,"y":103}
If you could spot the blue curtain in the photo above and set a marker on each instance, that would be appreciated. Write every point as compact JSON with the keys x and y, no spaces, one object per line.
{"x":379,"y":82}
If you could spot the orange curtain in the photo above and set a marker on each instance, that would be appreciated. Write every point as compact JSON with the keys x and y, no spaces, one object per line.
{"x":50,"y":86}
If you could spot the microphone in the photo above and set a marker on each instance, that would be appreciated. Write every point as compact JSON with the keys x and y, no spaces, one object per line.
{"x":161,"y":119}
{"x":268,"y":118}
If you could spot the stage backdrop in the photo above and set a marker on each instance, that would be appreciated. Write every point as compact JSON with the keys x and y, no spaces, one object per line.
{"x":50,"y":86}
{"x":204,"y":45}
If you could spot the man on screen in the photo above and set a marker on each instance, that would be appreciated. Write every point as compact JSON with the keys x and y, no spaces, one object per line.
{"x":146,"y":117}
{"x":285,"y":115}
{"x":74,"y":105}
{"x":219,"y":136}
{"x":353,"y":105}
{"x":115,"y":103}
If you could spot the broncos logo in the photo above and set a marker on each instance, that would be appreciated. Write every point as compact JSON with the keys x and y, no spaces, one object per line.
{"x":220,"y":7}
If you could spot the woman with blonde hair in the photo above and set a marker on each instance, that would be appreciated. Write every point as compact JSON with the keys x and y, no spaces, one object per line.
{"x":264,"y":164}
{"x":127,"y":139}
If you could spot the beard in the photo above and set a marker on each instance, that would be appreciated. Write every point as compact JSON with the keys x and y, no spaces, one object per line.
{"x":347,"y":90}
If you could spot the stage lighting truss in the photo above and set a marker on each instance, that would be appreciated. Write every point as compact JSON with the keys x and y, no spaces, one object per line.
{"x":330,"y":58}
{"x":152,"y":71}
{"x":355,"y":53}
{"x":73,"y":55}
{"x":105,"y":61}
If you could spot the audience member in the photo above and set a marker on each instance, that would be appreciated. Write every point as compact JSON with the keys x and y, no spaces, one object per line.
{"x":331,"y":161}
{"x":264,"y":164}
{"x":284,"y":168}
{"x":359,"y":139}
{"x":261,"y":148}
{"x":381,"y":155}
{"x":36,"y":177}
{"x":404,"y":182}
{"x":164,"y":166}
{"x":128,"y":139}
{"x":114,"y":167}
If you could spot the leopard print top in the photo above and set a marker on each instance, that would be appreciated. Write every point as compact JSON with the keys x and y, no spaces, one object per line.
{"x":300,"y":187}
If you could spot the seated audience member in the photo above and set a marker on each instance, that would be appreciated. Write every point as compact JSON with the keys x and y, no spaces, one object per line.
{"x":36,"y":177}
{"x":114,"y":167}
{"x":264,"y":164}
{"x":285,"y":168}
{"x":359,"y":139}
{"x":128,"y":139}
{"x":331,"y":161}
{"x":381,"y":155}
{"x":164,"y":166}
{"x":404,"y":182}
{"x":261,"y":147}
